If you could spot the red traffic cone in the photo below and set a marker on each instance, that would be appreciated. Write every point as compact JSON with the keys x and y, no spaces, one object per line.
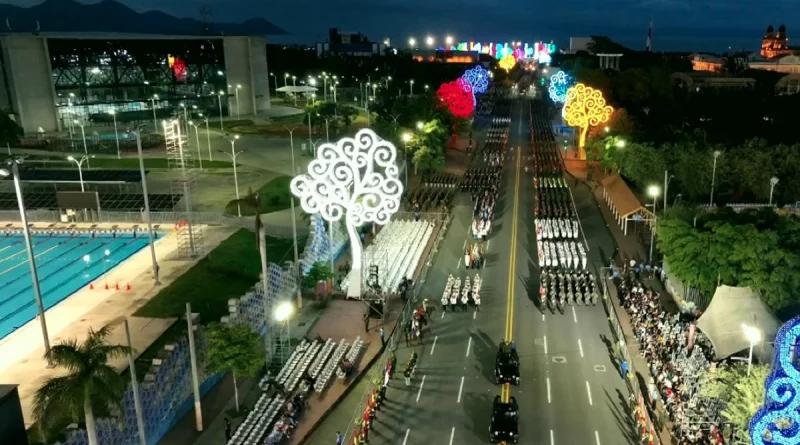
{"x":128,"y":287}
{"x":91,"y":286}
{"x":106,"y":286}
{"x":117,"y":286}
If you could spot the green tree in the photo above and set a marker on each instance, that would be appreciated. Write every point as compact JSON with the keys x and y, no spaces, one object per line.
{"x":10,"y":131}
{"x":743,"y":394}
{"x":234,"y":348}
{"x":90,"y":383}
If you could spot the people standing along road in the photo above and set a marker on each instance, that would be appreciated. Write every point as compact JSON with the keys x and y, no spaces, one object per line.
{"x":383,"y":338}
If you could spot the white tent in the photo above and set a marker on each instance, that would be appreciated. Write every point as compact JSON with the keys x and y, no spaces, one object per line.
{"x":300,"y":89}
{"x":722,"y":323}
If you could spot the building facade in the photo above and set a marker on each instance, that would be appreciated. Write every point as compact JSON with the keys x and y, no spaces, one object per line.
{"x":54,"y":82}
{"x":776,"y":44}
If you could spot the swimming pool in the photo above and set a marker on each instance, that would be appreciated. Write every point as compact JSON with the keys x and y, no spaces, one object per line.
{"x":65,"y":263}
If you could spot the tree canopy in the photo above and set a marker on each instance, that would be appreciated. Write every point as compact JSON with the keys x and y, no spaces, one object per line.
{"x":759,"y":249}
{"x":233,"y":347}
{"x":742,"y":394}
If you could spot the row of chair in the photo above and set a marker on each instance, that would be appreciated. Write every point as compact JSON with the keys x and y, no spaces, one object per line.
{"x":330,"y":367}
{"x":352,"y":355}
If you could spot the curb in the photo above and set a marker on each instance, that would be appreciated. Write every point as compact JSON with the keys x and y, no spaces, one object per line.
{"x":353,"y":384}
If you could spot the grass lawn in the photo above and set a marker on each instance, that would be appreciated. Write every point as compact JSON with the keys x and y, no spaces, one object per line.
{"x":274,"y":195}
{"x":133,"y":163}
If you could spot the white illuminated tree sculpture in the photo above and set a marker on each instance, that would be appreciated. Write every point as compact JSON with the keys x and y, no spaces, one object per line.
{"x":356,"y":179}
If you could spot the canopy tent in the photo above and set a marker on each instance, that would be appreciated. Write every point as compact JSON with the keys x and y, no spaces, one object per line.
{"x":300,"y":89}
{"x":722,"y":323}
{"x":623,"y":203}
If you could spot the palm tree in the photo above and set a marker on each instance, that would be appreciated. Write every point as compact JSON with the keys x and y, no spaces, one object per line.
{"x":90,"y":384}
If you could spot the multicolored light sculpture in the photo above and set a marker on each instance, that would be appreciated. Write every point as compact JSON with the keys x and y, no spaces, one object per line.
{"x":507,"y":62}
{"x":585,"y":107}
{"x":559,"y":84}
{"x":457,"y":97}
{"x":540,"y":52}
{"x":777,"y":422}
{"x":478,"y":78}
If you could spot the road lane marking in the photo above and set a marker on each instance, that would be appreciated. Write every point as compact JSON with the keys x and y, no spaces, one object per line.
{"x":597,"y":437}
{"x":443,"y":311}
{"x":542,"y":317}
{"x":545,"y":345}
{"x":465,"y":245}
{"x":552,"y":438}
{"x":434,"y":343}
{"x":419,"y":393}
{"x":452,"y":433}
{"x":406,"y":438}
{"x":459,"y":263}
{"x":549,"y":399}
{"x":580,"y":346}
{"x":513,"y":255}
{"x":487,"y":244}
{"x":475,"y":314}
{"x":588,"y":392}
{"x":574,"y":315}
{"x":460,"y":388}
{"x":469,"y":344}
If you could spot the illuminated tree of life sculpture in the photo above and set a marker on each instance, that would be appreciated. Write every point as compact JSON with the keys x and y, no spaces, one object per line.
{"x":478,"y":78}
{"x":585,"y":107}
{"x":457,"y":97}
{"x":559,"y":84}
{"x":508,"y":62}
{"x":777,"y":422}
{"x":356,"y":179}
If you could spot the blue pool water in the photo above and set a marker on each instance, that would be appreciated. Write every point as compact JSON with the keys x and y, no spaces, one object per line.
{"x":61,"y":267}
{"x":123,"y":136}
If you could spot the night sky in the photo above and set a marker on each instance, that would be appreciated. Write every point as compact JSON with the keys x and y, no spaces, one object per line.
{"x":690,"y":25}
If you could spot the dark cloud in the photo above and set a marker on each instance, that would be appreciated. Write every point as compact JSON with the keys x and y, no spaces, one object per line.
{"x":678,"y":24}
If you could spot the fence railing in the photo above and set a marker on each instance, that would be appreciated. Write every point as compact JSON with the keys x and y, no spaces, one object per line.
{"x":630,"y":378}
{"x":396,"y":336}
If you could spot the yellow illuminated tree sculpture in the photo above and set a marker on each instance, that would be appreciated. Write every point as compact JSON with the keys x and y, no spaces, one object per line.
{"x":585,"y":107}
{"x":508,"y":62}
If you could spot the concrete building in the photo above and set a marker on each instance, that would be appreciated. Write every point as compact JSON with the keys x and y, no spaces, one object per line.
{"x":350,"y":44}
{"x":786,"y":64}
{"x":699,"y":80}
{"x":56,"y":81}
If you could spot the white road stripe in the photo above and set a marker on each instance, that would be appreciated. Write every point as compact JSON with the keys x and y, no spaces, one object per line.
{"x":597,"y":437}
{"x":469,"y":344}
{"x":474,"y":315}
{"x":574,"y":315}
{"x":549,"y":399}
{"x":552,"y":438}
{"x":406,"y":438}
{"x":459,"y":263}
{"x":460,"y":388}
{"x":542,"y":317}
{"x":580,"y":346}
{"x":434,"y":344}
{"x":422,"y":383}
{"x":488,"y":243}
{"x":465,"y":245}
{"x":452,"y":433}
{"x":443,"y":312}
{"x":545,"y":345}
{"x":588,"y":392}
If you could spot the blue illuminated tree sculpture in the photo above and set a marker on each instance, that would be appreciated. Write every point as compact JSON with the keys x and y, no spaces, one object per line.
{"x":777,"y":422}
{"x":478,"y":78}
{"x":559,"y":84}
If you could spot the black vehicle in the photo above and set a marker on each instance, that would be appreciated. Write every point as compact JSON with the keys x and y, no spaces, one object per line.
{"x":504,"y":426}
{"x":506,"y":365}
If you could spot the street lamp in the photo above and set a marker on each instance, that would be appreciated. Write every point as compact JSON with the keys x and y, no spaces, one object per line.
{"x":294,"y":92}
{"x":208,"y":137}
{"x":283,"y":312}
{"x":714,"y":176}
{"x":620,"y":143}
{"x":772,"y":183}
{"x":412,"y":42}
{"x":327,"y":133}
{"x":667,"y":180}
{"x":294,"y":220}
{"x":233,"y":155}
{"x":79,"y":163}
{"x":753,"y":336}
{"x":113,"y":114}
{"x":153,"y":103}
{"x":411,"y":85}
{"x":197,"y":140}
{"x":219,"y":100}
{"x":13,"y":171}
{"x":653,"y":191}
{"x":406,"y":138}
{"x":420,"y":125}
{"x":236,"y":95}
{"x":448,"y":40}
{"x":285,"y":79}
{"x":83,"y":135}
{"x":137,"y":133}
{"x":275,"y":78}
{"x":429,"y":41}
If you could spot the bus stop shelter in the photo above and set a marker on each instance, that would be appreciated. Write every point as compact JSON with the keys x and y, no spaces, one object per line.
{"x":623,"y":202}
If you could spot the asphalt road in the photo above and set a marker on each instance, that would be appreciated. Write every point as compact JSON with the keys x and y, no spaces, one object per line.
{"x":571,"y":392}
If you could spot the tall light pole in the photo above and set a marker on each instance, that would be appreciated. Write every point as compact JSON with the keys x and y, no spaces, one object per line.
{"x":753,"y":336}
{"x":155,"y":118}
{"x":713,"y":176}
{"x":412,"y":42}
{"x":388,"y":79}
{"x":83,"y":136}
{"x":374,"y":91}
{"x":411,"y":86}
{"x":197,"y":141}
{"x":324,"y":86}
{"x":294,"y":92}
{"x":275,"y":78}
{"x":146,"y":197}
{"x":653,"y":191}
{"x":309,"y":131}
{"x":335,"y":84}
{"x":667,"y":179}
{"x":327,"y":133}
{"x":79,"y":163}
{"x":113,"y":114}
{"x":236,"y":95}
{"x":772,"y":183}
{"x":429,"y":41}
{"x":294,"y":221}
{"x":13,"y":170}
{"x":286,"y":79}
{"x":208,"y":138}
{"x":233,"y":155}
{"x":406,"y":138}
{"x":185,"y":121}
{"x":219,"y":101}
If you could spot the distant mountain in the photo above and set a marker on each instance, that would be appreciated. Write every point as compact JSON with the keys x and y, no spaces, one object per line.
{"x":109,"y":16}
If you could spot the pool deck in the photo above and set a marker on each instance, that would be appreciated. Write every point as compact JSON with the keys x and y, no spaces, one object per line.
{"x":21,"y":352}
